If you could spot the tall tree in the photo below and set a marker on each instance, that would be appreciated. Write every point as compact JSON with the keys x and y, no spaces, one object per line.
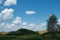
{"x":52,"y":25}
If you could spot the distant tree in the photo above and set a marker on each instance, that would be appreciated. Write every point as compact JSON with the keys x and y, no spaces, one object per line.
{"x":52,"y":25}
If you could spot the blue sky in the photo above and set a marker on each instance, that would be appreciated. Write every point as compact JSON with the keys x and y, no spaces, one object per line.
{"x":27,"y":13}
{"x":43,"y":9}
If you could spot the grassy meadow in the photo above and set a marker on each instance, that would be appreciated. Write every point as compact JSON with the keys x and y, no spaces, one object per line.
{"x":31,"y":35}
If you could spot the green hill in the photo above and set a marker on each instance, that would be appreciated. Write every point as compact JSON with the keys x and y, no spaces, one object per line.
{"x":25,"y":34}
{"x":22,"y":32}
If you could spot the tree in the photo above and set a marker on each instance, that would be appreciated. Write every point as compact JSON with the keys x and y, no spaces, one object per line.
{"x":52,"y":25}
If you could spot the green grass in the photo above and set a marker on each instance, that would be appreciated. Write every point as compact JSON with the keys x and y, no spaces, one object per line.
{"x":24,"y":34}
{"x":21,"y":34}
{"x":25,"y":37}
{"x":29,"y":37}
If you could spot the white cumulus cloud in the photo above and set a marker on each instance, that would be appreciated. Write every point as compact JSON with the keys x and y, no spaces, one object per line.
{"x":24,"y":25}
{"x":12,"y":23}
{"x":6,"y":14}
{"x":30,"y":12}
{"x":10,"y":2}
{"x":16,"y":22}
{"x":34,"y":27}
{"x":39,"y":27}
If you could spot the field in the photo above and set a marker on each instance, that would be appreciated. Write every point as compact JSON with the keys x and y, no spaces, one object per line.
{"x":29,"y":37}
{"x":25,"y":37}
{"x":24,"y":34}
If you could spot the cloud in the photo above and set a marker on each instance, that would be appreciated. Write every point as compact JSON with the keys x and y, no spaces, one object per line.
{"x":16,"y":23}
{"x":43,"y":24}
{"x":24,"y":25}
{"x":0,"y":1}
{"x":6,"y":14}
{"x":30,"y":12}
{"x":39,"y":27}
{"x":28,"y":26}
{"x":17,"y":20}
{"x":2,"y":24}
{"x":58,"y":21}
{"x":31,"y":25}
{"x":34,"y":27}
{"x":13,"y":26}
{"x":12,"y":23}
{"x":10,"y":2}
